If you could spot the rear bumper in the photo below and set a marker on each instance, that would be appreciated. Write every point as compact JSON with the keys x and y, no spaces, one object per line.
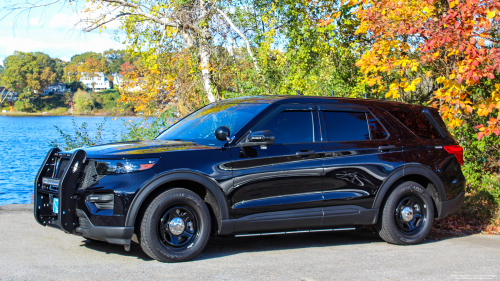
{"x":450,"y":206}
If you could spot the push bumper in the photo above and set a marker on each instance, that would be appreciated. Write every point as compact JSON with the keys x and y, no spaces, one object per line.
{"x":450,"y":206}
{"x":68,"y":217}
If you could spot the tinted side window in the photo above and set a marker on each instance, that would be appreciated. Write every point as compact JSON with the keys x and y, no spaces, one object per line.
{"x":417,"y":123}
{"x":377,"y":132}
{"x":346,"y":126}
{"x":291,"y":127}
{"x":440,"y":121}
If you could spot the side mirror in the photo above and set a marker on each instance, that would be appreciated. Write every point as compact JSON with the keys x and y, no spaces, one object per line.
{"x":259,"y":138}
{"x":222,"y":133}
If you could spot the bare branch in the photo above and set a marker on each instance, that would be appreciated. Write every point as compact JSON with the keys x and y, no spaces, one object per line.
{"x":92,"y":27}
{"x":142,"y":13}
{"x":249,"y":48}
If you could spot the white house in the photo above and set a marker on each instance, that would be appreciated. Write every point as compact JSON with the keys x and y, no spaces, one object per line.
{"x":54,"y":88}
{"x":117,"y":79}
{"x":99,"y":82}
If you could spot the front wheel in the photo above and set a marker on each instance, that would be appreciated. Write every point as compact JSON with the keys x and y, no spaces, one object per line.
{"x":407,"y":215}
{"x":175,"y":226}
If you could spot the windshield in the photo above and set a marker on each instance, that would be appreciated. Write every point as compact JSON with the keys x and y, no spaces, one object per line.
{"x":200,"y":126}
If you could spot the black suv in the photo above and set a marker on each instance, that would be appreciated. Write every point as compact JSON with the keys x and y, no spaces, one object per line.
{"x":247,"y":166}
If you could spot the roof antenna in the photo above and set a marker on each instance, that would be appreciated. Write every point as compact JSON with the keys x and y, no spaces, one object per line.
{"x":333,"y":93}
{"x":365,"y":95}
{"x":298,"y":93}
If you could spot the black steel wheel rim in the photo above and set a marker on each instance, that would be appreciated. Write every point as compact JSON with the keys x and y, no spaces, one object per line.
{"x":410,"y":214}
{"x":178,"y":227}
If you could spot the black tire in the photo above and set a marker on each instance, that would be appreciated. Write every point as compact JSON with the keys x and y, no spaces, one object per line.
{"x":407,"y":215}
{"x":158,"y":226}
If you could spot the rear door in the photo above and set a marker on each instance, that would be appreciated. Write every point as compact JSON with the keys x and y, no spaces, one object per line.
{"x":360,"y":152}
{"x":418,"y":134}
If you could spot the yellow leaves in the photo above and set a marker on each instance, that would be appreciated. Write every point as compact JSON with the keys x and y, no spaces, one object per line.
{"x":452,"y":76}
{"x":455,"y":122}
{"x":393,"y":91}
{"x":452,"y":4}
{"x":440,"y":79}
{"x":427,"y":10}
{"x":428,"y":73}
{"x":491,"y":14}
{"x":435,"y":55}
{"x":372,"y":81}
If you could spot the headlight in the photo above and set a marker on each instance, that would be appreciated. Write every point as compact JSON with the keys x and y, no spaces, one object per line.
{"x":112,"y":167}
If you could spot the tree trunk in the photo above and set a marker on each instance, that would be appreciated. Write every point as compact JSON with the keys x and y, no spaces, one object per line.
{"x":206,"y":75}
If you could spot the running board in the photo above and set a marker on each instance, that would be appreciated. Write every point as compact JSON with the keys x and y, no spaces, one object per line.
{"x":296,"y":231}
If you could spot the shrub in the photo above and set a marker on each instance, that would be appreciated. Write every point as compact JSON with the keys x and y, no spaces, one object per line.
{"x":484,"y":202}
{"x":58,"y":111}
{"x":80,"y":138}
{"x":84,"y":101}
{"x":23,"y":106}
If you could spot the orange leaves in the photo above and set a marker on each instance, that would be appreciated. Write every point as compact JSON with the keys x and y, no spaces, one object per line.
{"x":492,"y":128}
{"x":454,"y":45}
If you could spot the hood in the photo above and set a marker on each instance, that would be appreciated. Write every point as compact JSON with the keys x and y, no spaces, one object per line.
{"x":135,"y":148}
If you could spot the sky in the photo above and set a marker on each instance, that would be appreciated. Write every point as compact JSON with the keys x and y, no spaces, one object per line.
{"x":52,"y":31}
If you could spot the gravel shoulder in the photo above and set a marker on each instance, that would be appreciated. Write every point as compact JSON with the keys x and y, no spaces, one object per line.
{"x":29,"y":251}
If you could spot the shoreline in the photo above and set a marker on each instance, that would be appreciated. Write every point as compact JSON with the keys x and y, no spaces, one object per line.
{"x":39,"y":114}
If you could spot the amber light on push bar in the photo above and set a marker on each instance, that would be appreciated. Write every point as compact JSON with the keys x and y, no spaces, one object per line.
{"x":112,"y":167}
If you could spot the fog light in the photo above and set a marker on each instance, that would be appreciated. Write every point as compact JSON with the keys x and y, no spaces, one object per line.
{"x":102,"y":201}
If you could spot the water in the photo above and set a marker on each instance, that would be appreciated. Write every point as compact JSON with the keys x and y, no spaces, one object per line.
{"x":24,"y":142}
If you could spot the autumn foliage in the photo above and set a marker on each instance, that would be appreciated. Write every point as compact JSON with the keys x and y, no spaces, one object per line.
{"x":451,"y":44}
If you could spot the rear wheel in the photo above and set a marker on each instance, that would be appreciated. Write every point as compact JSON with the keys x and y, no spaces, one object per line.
{"x":407,"y":215}
{"x":175,"y":226}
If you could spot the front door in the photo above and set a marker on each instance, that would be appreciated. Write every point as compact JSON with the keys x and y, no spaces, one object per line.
{"x":284,"y":176}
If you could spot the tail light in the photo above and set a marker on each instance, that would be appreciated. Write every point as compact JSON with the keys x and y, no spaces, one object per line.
{"x":456,"y":150}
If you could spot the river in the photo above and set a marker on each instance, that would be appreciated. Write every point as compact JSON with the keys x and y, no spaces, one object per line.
{"x":24,"y":142}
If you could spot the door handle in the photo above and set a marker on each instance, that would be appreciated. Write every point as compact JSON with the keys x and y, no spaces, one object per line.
{"x":305,"y":153}
{"x":386,"y":147}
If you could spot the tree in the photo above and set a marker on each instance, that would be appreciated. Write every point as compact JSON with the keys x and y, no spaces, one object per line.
{"x":116,"y":58}
{"x":90,"y":68}
{"x":454,"y":45}
{"x":32,"y":71}
{"x":168,"y":26}
{"x":84,"y":101}
{"x":127,"y":68}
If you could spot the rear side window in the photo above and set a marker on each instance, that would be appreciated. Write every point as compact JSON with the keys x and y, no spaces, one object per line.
{"x":291,"y":127}
{"x":440,"y":121}
{"x":377,"y":132}
{"x":346,"y":126}
{"x":417,"y":123}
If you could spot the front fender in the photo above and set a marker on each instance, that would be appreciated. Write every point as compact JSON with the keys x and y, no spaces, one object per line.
{"x":170,"y":176}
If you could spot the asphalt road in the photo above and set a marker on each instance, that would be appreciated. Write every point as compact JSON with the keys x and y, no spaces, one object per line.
{"x":29,"y":251}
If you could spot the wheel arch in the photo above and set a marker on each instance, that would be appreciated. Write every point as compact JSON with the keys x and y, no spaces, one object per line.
{"x":190,"y":180}
{"x":419,"y":174}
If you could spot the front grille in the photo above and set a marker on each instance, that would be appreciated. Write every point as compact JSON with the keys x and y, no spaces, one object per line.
{"x":89,"y":176}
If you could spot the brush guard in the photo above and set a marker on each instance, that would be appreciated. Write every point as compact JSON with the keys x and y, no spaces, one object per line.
{"x":65,"y":189}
